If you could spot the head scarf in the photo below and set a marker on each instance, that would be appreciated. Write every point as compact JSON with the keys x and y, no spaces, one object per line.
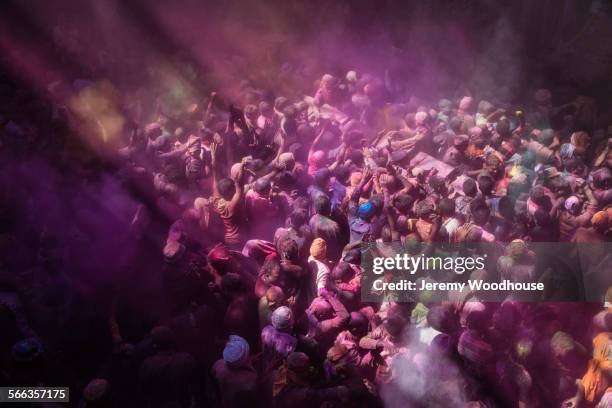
{"x":571,"y":202}
{"x":286,"y":160}
{"x":318,"y":248}
{"x":593,"y":381}
{"x":366,"y":210}
{"x":600,"y":219}
{"x":236,"y":352}
{"x":282,"y":319}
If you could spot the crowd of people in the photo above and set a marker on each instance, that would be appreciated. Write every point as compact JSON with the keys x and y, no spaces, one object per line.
{"x":267,"y":200}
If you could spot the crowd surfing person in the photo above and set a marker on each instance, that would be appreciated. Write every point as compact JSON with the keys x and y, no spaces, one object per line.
{"x":267,"y":203}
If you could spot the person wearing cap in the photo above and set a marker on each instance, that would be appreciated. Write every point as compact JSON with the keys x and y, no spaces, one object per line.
{"x":277,"y":339}
{"x":167,"y":377}
{"x":234,"y":374}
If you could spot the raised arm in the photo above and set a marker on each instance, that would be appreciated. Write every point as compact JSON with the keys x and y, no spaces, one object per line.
{"x":315,"y":142}
{"x":238,"y":186}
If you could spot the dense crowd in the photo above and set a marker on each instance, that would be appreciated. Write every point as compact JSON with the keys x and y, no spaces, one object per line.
{"x":268,"y":197}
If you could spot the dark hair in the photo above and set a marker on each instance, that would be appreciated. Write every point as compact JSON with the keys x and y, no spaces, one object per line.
{"x":446,"y":207}
{"x":322,"y":204}
{"x":301,"y":202}
{"x":403,"y":202}
{"x":262,"y":185}
{"x":486,"y":184}
{"x":322,"y":176}
{"x":469,"y":187}
{"x":342,"y":173}
{"x":342,"y":272}
{"x":298,"y":217}
{"x":226,"y":188}
{"x":289,"y":247}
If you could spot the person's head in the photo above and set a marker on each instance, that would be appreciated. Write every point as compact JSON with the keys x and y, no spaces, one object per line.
{"x":163,"y":338}
{"x":600,"y":221}
{"x":299,"y":364}
{"x":318,"y":249}
{"x":298,"y":217}
{"x":480,"y":212}
{"x":486,"y":184}
{"x":454,"y":124}
{"x":358,"y":324}
{"x":226,"y":188}
{"x":275,"y":297}
{"x":319,"y":158}
{"x":366,"y":211}
{"x":220,"y":259}
{"x":321,"y":309}
{"x":322,"y":205}
{"x":342,"y":174}
{"x":251,"y":112}
{"x":574,"y":165}
{"x":282,"y":319}
{"x":342,"y":272}
{"x":321,"y":178}
{"x":271,"y":272}
{"x":538,"y":195}
{"x":236,"y":352}
{"x":403,"y":203}
{"x":262,"y":186}
{"x":289,"y":249}
{"x":470,"y":189}
{"x":573,"y":205}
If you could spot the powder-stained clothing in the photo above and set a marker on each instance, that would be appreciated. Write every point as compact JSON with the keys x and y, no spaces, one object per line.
{"x":231,"y":221}
{"x":595,"y":381}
